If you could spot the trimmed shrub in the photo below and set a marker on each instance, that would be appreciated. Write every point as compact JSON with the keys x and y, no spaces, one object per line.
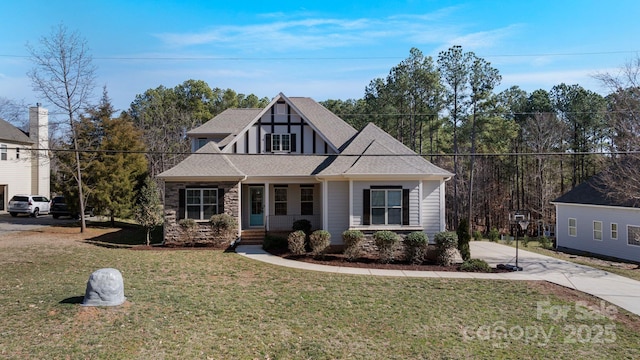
{"x":303,"y":225}
{"x":385,"y":241}
{"x":190,"y":229}
{"x":446,"y":243}
{"x":494,"y":235}
{"x":352,"y":240}
{"x":272,"y":242}
{"x":475,"y":265}
{"x":463,"y":239}
{"x":415,"y":245}
{"x":225,"y":227}
{"x":477,"y":235}
{"x":296,"y":242}
{"x":319,"y":241}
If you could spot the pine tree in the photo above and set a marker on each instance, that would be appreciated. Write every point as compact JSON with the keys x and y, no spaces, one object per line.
{"x":148,"y":210}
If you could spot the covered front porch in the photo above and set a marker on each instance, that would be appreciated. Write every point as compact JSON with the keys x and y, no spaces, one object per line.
{"x":274,"y":207}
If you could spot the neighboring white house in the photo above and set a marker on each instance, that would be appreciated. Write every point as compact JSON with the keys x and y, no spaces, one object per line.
{"x":589,"y":221}
{"x":296,"y":160}
{"x":24,"y":157}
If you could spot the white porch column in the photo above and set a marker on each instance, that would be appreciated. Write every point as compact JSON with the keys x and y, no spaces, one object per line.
{"x":443,"y":223}
{"x":420,"y":202}
{"x":239,"y":209}
{"x":266,"y":206}
{"x":325,"y":205}
{"x":350,"y":203}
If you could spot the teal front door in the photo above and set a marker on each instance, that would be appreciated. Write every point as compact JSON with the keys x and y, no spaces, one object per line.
{"x":256,"y":200}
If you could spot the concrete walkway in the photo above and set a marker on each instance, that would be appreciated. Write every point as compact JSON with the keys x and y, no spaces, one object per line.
{"x":618,"y":290}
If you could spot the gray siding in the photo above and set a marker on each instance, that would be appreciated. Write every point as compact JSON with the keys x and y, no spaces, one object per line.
{"x":338,"y":209}
{"x":414,"y":198}
{"x":431,"y":212}
{"x":584,"y":239}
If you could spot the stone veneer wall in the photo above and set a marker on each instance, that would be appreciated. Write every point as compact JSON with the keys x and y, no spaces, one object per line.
{"x":369,"y":248}
{"x":173,"y":232}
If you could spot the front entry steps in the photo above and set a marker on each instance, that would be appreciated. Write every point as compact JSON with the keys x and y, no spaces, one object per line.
{"x":252,"y":237}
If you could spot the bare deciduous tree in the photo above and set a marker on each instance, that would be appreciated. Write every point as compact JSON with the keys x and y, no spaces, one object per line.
{"x":621,"y":176}
{"x":64,"y":75}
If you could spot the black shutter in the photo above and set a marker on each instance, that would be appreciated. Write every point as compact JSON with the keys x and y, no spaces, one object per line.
{"x":267,"y":142}
{"x":293,"y":142}
{"x":220,"y":201}
{"x":405,"y":206}
{"x":181,"y":204}
{"x":366,"y":207}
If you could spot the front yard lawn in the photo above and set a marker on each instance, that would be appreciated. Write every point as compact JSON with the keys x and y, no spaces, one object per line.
{"x":209,"y":304}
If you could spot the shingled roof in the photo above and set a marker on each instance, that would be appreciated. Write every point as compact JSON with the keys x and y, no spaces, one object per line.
{"x":369,"y":152}
{"x":592,"y":192}
{"x":11,"y":133}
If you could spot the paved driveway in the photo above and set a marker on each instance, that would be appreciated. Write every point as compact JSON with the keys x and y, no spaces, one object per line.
{"x":23,"y":222}
{"x":616,"y":289}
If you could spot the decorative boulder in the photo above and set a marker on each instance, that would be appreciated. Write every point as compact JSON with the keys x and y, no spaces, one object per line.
{"x":104,"y":288}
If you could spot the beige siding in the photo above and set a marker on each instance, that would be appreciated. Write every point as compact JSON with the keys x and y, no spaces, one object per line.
{"x":16,"y":173}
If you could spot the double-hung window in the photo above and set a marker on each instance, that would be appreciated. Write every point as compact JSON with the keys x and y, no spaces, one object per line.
{"x":280,"y":142}
{"x":614,"y":231}
{"x":386,"y":207}
{"x":280,"y":201}
{"x":201,"y":204}
{"x":3,"y":152}
{"x":573,"y":227}
{"x":306,"y":201}
{"x":597,"y":230}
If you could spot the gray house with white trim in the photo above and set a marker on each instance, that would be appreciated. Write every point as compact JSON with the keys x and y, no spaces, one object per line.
{"x":589,"y":221}
{"x":296,"y":160}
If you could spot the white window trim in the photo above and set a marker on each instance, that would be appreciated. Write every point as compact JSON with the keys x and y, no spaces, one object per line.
{"x":276,"y":201}
{"x":614,"y":231}
{"x":575,"y":227}
{"x":278,"y":143}
{"x":628,"y":239}
{"x":201,"y":204}
{"x":307,"y":201}
{"x":595,"y":231}
{"x":3,"y":152}
{"x":386,"y":206}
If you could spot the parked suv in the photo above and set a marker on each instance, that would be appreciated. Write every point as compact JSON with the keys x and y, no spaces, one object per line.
{"x":33,"y":205}
{"x":59,"y":208}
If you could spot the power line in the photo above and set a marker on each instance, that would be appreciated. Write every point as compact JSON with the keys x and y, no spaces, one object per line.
{"x":303,"y":58}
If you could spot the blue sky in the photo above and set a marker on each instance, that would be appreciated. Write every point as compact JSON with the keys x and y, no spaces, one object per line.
{"x":321,"y":49}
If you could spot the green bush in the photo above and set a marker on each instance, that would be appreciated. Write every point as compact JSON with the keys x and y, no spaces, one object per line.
{"x":352,"y":240}
{"x":303,"y":225}
{"x":385,"y":241}
{"x":463,"y":239}
{"x":494,"y":235}
{"x":545,"y":243}
{"x":477,"y":235}
{"x":296,"y":242}
{"x":446,"y":243}
{"x":415,"y":246}
{"x":224,"y":226}
{"x":475,"y":265}
{"x":272,"y":242}
{"x":319,"y":241}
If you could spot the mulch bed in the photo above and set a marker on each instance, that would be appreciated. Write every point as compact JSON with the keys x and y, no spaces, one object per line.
{"x":367,"y":262}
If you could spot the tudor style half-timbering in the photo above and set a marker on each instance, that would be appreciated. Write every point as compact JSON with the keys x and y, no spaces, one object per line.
{"x":296,"y":160}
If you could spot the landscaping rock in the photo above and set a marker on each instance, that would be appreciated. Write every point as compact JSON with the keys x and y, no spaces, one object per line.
{"x":104,"y":288}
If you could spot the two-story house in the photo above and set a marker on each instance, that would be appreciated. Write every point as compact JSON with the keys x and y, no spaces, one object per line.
{"x":24,"y":157}
{"x":296,"y":160}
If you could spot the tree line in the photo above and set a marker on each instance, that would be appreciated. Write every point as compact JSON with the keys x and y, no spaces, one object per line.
{"x":509,"y":150}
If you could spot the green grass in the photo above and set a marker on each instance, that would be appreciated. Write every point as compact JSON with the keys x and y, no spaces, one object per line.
{"x":211,"y":304}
